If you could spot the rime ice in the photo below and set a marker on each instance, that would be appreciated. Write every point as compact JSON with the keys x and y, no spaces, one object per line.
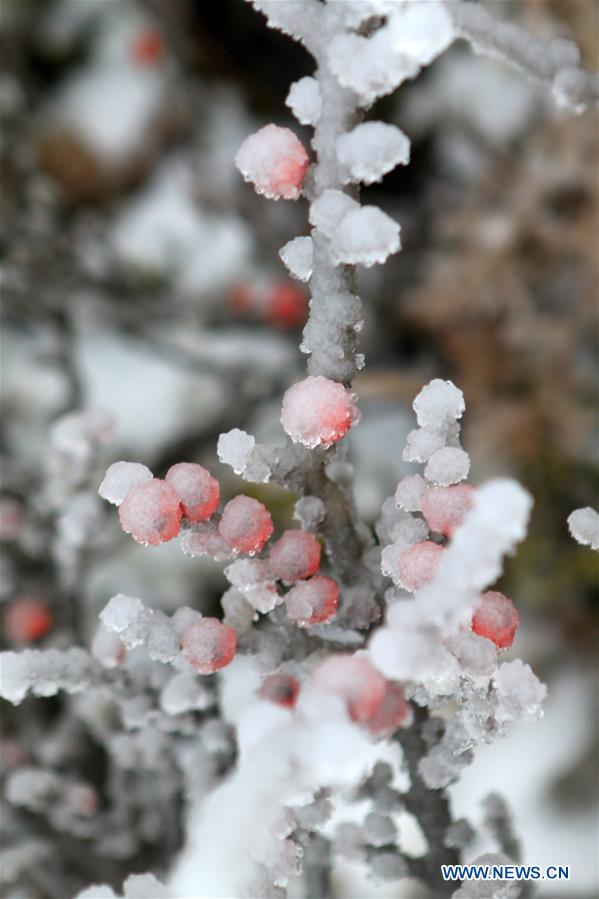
{"x":318,"y":411}
{"x":295,"y":556}
{"x":120,"y":478}
{"x":275,"y":161}
{"x":313,"y":601}
{"x":245,"y":525}
{"x":198,"y":491}
{"x":209,"y":645}
{"x":151,"y":512}
{"x":496,"y":618}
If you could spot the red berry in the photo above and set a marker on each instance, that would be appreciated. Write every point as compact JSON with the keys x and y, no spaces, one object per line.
{"x":295,"y":556}
{"x":241,"y":297}
{"x":27,"y":620}
{"x":318,"y":411}
{"x":209,"y":645}
{"x":419,"y":563}
{"x":444,"y":507}
{"x":353,"y":678}
{"x":496,"y":618}
{"x":286,"y":306}
{"x":151,"y":512}
{"x":391,"y":713}
{"x":147,"y":48}
{"x":245,"y":525}
{"x":280,"y":688}
{"x":313,"y":601}
{"x":198,"y":491}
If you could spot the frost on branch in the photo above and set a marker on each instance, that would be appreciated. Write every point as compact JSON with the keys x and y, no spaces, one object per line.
{"x":275,"y":162}
{"x":318,"y":412}
{"x":583,"y":524}
{"x":44,"y":672}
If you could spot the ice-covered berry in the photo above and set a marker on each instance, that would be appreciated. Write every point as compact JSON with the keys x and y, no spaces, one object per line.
{"x":286,"y":306}
{"x":318,"y":411}
{"x":275,"y":161}
{"x":147,"y":48}
{"x":245,"y":525}
{"x":27,"y":620}
{"x":354,"y":679}
{"x":445,"y":507}
{"x":496,"y":618}
{"x":313,"y":601}
{"x":295,"y":556}
{"x":198,"y":491}
{"x":419,"y":563}
{"x":393,"y":712}
{"x":280,"y":688}
{"x":120,"y":478}
{"x":151,"y":512}
{"x":209,"y":645}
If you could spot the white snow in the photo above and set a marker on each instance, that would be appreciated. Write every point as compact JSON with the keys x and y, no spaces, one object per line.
{"x":366,"y":236}
{"x":120,"y":477}
{"x":304,"y":100}
{"x":371,"y":150}
{"x":297,"y":254}
{"x":583,"y":524}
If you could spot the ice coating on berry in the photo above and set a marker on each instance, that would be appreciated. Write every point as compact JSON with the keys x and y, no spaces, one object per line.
{"x":27,"y":620}
{"x":286,"y":306}
{"x":209,"y":645}
{"x":353,"y":678}
{"x":496,"y":618}
{"x":419,"y":563}
{"x":280,"y":688}
{"x":151,"y":512}
{"x":198,"y":491}
{"x":445,"y":507}
{"x":295,"y":556}
{"x":245,"y":525}
{"x":275,"y":162}
{"x":393,"y":712}
{"x":120,"y":478}
{"x":318,"y":411}
{"x":313,"y":601}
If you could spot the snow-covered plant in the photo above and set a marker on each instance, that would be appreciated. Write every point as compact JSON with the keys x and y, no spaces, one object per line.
{"x":347,"y":667}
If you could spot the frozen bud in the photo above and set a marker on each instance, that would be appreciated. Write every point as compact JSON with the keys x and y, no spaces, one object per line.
{"x":393,"y":712}
{"x":151,"y":512}
{"x":519,"y":692}
{"x":366,"y":236}
{"x":419,"y":563}
{"x":245,"y":525}
{"x":295,"y":556}
{"x":304,"y":100}
{"x":379,"y":829}
{"x":209,"y":645}
{"x":421,"y":444}
{"x":446,"y":466}
{"x":297,"y":254}
{"x":496,"y":618}
{"x":371,"y":150}
{"x":27,"y":620}
{"x":198,"y":491}
{"x":107,"y":648}
{"x":275,"y":161}
{"x":444,"y":508}
{"x":120,"y":478}
{"x":280,"y":688}
{"x":353,"y":678}
{"x":409,"y":493}
{"x":121,"y":612}
{"x":437,"y":403}
{"x":328,"y":211}
{"x":313,"y":601}
{"x":286,"y":306}
{"x":583,"y":524}
{"x":318,"y":411}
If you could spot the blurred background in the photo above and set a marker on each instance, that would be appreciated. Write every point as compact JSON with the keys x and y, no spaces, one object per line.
{"x":141,"y":285}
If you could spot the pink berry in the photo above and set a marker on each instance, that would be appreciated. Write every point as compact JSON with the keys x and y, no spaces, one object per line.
{"x":27,"y":620}
{"x":318,"y":411}
{"x":151,"y":512}
{"x":353,"y":678}
{"x":198,"y":491}
{"x":444,"y":507}
{"x":496,"y":618}
{"x":280,"y":688}
{"x":209,"y":645}
{"x":245,"y":525}
{"x":313,"y":602}
{"x":275,"y":161}
{"x":419,"y":563}
{"x":295,"y":556}
{"x":391,"y":713}
{"x":286,"y":306}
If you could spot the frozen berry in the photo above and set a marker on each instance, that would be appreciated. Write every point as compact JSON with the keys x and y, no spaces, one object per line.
{"x":209,"y":645}
{"x":151,"y":512}
{"x":27,"y":620}
{"x":419,"y":563}
{"x":275,"y":161}
{"x":198,"y":491}
{"x":496,"y":618}
{"x":280,"y":688}
{"x":245,"y":525}
{"x":444,"y":507}
{"x":295,"y":556}
{"x":313,"y":601}
{"x":286,"y":306}
{"x":318,"y":411}
{"x":147,"y":48}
